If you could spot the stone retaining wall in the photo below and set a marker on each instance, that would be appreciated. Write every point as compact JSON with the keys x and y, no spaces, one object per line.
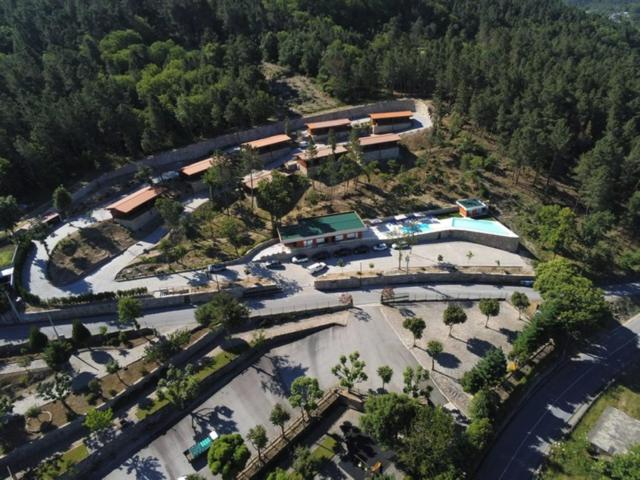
{"x":421,"y":277}
{"x":178,"y":157}
{"x":134,"y":437}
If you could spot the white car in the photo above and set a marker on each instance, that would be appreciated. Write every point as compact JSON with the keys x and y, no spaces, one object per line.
{"x":380,"y":247}
{"x":298,"y":259}
{"x":317,"y":267}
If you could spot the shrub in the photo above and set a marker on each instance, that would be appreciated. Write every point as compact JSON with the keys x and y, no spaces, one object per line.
{"x":487,"y":372}
{"x":484,"y":404}
{"x":37,"y":340}
{"x":32,"y":412}
{"x":80,"y":334}
{"x":479,"y":432}
{"x":57,"y":353}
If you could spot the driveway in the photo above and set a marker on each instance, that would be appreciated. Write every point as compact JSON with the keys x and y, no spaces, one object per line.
{"x":248,"y":399}
{"x":547,"y":414}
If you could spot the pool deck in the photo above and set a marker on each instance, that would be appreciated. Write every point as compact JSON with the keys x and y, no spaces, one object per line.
{"x":409,"y":227}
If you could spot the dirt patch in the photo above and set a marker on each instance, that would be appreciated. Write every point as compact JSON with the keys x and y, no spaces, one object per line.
{"x":297,"y":93}
{"x":81,"y":252}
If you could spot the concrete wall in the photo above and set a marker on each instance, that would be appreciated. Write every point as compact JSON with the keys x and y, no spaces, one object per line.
{"x":397,"y":127}
{"x":198,"y":185}
{"x":275,"y":154}
{"x":179,"y":157}
{"x":381,"y":155}
{"x":402,"y":279}
{"x":140,"y":221}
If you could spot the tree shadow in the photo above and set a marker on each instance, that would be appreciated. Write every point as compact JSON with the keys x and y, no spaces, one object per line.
{"x":361,"y":315}
{"x":478,"y":346}
{"x":284,"y":373}
{"x":100,"y":356}
{"x":147,"y":468}
{"x":448,"y":360}
{"x":510,"y":334}
{"x":406,"y":312}
{"x":218,"y":418}
{"x":81,"y":381}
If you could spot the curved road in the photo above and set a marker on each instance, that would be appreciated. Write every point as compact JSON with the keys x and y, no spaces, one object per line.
{"x":547,"y":414}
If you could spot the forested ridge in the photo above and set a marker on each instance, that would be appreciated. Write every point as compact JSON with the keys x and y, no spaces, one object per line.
{"x":91,"y":84}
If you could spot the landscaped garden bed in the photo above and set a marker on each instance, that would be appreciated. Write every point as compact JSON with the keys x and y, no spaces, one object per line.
{"x":81,"y":252}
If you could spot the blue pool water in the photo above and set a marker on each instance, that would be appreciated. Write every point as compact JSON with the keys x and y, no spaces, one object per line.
{"x":415,"y":228}
{"x":483,"y":226}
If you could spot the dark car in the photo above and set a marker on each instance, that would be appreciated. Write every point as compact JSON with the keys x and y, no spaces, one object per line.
{"x":360,"y":249}
{"x":320,"y":256}
{"x":274,"y":265}
{"x":343,"y":252}
{"x":216,"y":267}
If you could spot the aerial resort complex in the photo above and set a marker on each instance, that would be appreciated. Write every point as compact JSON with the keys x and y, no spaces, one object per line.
{"x":330,"y":240}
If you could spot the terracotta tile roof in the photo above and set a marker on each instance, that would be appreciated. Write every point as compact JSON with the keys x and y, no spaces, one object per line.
{"x":323,"y":152}
{"x":341,"y":122}
{"x":265,"y":142}
{"x":387,"y":115}
{"x":197,"y":168}
{"x":136,"y":199}
{"x":377,"y":139}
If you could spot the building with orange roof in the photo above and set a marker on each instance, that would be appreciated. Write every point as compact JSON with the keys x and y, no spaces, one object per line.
{"x":136,"y":210}
{"x":194,"y":173}
{"x":310,"y":165}
{"x":380,"y":147}
{"x":319,"y":131}
{"x":385,"y":122}
{"x":270,"y":148}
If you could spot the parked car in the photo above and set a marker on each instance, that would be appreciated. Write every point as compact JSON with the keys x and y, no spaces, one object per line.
{"x":216,"y":267}
{"x":400,"y":246}
{"x":380,"y":247}
{"x":526,"y":283}
{"x":317,"y":267}
{"x":320,"y":256}
{"x":298,"y":259}
{"x":343,"y":252}
{"x":361,"y":249}
{"x":274,"y":265}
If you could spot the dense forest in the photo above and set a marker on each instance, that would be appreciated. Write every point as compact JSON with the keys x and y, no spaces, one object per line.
{"x":618,"y":10}
{"x":88,"y":85}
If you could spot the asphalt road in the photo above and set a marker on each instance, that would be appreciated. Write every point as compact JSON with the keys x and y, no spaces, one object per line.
{"x":248,"y":399}
{"x":169,"y":319}
{"x":521,"y":448}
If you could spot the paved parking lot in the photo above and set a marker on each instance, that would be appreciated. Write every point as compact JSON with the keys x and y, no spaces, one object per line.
{"x":470,"y":341}
{"x":247,"y":400}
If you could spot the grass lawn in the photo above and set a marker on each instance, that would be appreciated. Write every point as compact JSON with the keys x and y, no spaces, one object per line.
{"x":571,"y":460}
{"x":216,"y":363}
{"x":6,"y":254}
{"x":61,"y":465}
{"x":326,"y":449}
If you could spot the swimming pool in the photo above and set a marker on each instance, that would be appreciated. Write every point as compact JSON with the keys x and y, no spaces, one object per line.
{"x":482,"y":226}
{"x":414,"y":228}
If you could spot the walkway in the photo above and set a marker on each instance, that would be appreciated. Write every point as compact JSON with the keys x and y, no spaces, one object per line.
{"x":103,"y":279}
